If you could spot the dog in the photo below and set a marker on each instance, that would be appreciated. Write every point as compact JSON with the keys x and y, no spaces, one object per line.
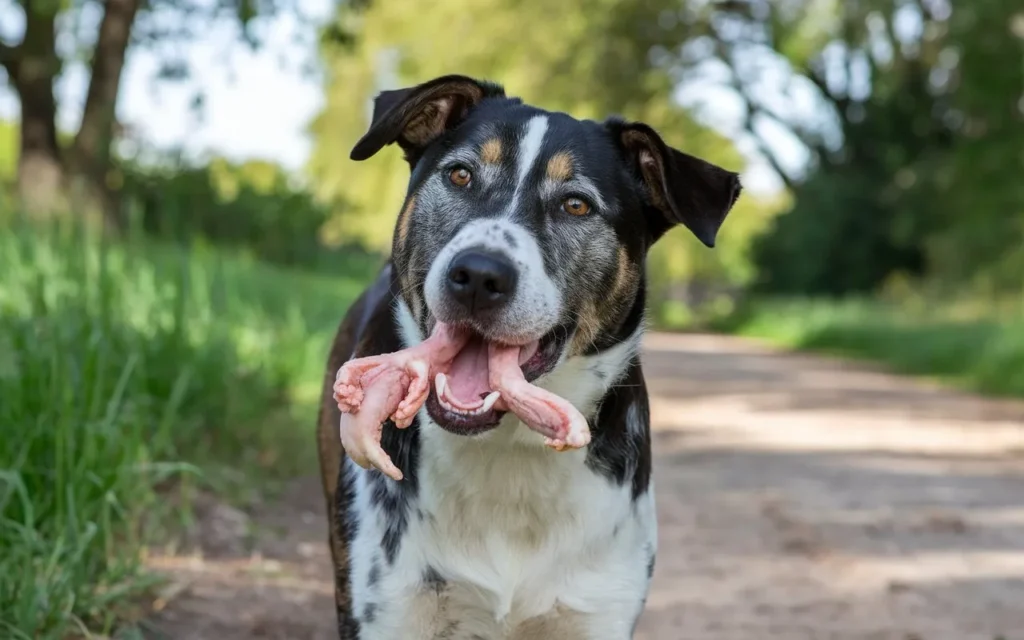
{"x":520,"y":225}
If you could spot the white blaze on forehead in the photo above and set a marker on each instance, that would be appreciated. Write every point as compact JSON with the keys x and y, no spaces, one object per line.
{"x":529,"y":147}
{"x":528,"y":152}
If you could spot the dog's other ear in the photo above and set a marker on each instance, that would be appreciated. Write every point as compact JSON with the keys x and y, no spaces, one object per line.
{"x":681,"y":187}
{"x":415,"y":116}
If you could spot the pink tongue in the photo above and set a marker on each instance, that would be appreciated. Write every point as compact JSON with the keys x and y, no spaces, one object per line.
{"x":467,"y":378}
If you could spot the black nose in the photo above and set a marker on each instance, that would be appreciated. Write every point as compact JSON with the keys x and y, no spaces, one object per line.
{"x":481,"y":281}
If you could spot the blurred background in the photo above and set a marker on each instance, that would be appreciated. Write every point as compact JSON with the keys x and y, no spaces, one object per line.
{"x":181,"y":228}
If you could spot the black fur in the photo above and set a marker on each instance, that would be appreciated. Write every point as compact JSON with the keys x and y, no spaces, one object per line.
{"x":414,"y":117}
{"x":618,"y":451}
{"x":347,"y":527}
{"x":370,"y":612}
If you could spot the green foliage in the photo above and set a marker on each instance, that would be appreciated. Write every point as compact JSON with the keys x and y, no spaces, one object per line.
{"x":980,"y":350}
{"x":123,"y":368}
{"x":253,"y":207}
{"x":926,"y":180}
{"x":9,"y":140}
{"x":837,"y":239}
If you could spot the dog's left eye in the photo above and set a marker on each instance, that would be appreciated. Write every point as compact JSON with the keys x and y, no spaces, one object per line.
{"x":460,"y":176}
{"x":576,"y":206}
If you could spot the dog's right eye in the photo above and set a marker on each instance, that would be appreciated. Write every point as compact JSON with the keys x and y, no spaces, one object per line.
{"x":460,"y":176}
{"x":576,"y":206}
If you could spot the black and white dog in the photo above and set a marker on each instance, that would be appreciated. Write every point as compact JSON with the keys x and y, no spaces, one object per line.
{"x":491,"y":535}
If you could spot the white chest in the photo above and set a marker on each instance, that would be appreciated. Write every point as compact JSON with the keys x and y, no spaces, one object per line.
{"x":504,"y":537}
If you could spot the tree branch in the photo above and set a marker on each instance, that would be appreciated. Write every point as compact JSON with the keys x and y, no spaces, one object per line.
{"x":752,"y":109}
{"x":818,"y":78}
{"x":764,"y":149}
{"x":91,"y":144}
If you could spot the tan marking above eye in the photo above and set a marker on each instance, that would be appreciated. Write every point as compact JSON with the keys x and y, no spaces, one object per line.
{"x":490,"y":152}
{"x":460,"y":176}
{"x":560,"y":167}
{"x":576,"y":206}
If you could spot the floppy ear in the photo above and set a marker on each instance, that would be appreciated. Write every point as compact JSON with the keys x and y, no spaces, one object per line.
{"x":415,"y":116}
{"x":681,"y":188}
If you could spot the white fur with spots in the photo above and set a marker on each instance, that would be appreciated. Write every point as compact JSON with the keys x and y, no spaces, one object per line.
{"x":531,"y":543}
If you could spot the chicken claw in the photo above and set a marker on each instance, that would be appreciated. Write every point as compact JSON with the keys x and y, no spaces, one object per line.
{"x":361,"y":431}
{"x":546,"y":413}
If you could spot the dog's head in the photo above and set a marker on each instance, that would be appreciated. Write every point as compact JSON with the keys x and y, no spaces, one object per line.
{"x":531,"y":227}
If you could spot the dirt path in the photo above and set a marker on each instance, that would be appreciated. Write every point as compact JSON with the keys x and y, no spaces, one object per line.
{"x":798,"y":498}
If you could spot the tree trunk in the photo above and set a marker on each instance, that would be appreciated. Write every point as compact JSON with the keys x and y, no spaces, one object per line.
{"x":91,"y":151}
{"x":40,"y":170}
{"x":32,"y":68}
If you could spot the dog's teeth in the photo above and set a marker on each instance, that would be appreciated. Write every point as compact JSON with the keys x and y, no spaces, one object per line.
{"x":489,"y":401}
{"x":444,"y":403}
{"x":441,"y":386}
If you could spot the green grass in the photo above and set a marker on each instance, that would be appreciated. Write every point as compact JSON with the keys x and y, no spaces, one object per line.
{"x":972,"y":346}
{"x":125,"y":370}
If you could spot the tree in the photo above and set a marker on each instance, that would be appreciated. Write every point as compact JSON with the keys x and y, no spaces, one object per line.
{"x":914,"y":138}
{"x":49,"y":172}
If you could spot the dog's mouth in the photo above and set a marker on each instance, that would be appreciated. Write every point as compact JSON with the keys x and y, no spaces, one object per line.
{"x":461,"y":399}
